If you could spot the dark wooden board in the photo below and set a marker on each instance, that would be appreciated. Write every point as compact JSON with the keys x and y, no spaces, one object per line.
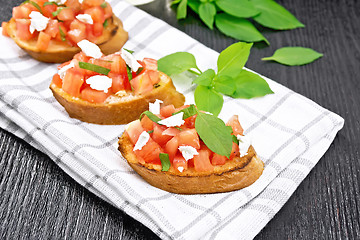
{"x":39,"y":201}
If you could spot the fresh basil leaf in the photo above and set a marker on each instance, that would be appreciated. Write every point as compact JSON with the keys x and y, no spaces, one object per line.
{"x":182,"y":10}
{"x":208,"y":100}
{"x":50,"y":3}
{"x":129,"y":73}
{"x":233,"y":59}
{"x":57,"y":11}
{"x":275,"y":16}
{"x":224,"y":84}
{"x":188,"y":112}
{"x":175,"y":2}
{"x":194,"y":5}
{"x":106,"y":23}
{"x":206,"y":78}
{"x":207,"y":12}
{"x":177,"y":63}
{"x":294,"y":56}
{"x":235,"y":140}
{"x":62,"y":34}
{"x":103,"y":5}
{"x":165,"y":162}
{"x":94,"y":68}
{"x":238,"y":28}
{"x":128,"y":50}
{"x":150,"y":115}
{"x":214,"y":133}
{"x":238,"y":8}
{"x":149,"y":132}
{"x":36,"y":6}
{"x":250,"y":85}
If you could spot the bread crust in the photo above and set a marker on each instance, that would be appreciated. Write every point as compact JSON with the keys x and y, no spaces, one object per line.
{"x":113,"y":38}
{"x":233,"y":175}
{"x":121,"y":110}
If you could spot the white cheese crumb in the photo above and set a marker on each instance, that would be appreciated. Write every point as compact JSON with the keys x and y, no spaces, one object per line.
{"x":244,"y":144}
{"x":130,"y":60}
{"x":85,"y":18}
{"x":38,"y":21}
{"x":81,"y":1}
{"x":121,"y":93}
{"x":90,"y":49}
{"x":100,"y":82}
{"x":62,"y":71}
{"x":155,"y":107}
{"x":188,"y":152}
{"x":60,"y":2}
{"x":141,"y":142}
{"x":181,"y":169}
{"x":173,"y":121}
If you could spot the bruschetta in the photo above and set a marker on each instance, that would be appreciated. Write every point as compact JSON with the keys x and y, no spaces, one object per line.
{"x":111,"y":89}
{"x":192,"y":167}
{"x":50,"y":30}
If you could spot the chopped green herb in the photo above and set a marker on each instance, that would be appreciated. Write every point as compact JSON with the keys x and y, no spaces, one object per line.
{"x":62,"y":34}
{"x":103,"y":5}
{"x":139,"y":70}
{"x":178,"y":128}
{"x":165,"y":162}
{"x":25,"y":2}
{"x":94,"y":68}
{"x":188,"y":112}
{"x":151,"y":131}
{"x":150,"y":115}
{"x":130,"y":51}
{"x":235,"y":140}
{"x":57,"y":11}
{"x":36,"y":5}
{"x":51,"y":3}
{"x":106,"y":23}
{"x":129,"y":72}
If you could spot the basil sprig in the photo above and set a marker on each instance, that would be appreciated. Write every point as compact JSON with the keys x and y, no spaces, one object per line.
{"x":94,"y":68}
{"x":165,"y":161}
{"x":231,"y":79}
{"x":294,"y":56}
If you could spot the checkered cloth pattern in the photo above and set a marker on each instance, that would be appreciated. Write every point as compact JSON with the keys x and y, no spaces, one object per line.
{"x":289,"y":132}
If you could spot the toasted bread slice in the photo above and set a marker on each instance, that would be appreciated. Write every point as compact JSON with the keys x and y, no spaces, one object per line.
{"x":118,"y":110}
{"x":113,"y":38}
{"x":233,"y":175}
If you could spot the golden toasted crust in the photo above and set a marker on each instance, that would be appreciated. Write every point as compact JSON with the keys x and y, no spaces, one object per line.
{"x":233,"y":175}
{"x":113,"y":38}
{"x":120,"y":110}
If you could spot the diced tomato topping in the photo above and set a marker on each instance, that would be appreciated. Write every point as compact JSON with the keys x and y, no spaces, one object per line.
{"x":72,"y":82}
{"x":94,"y":96}
{"x":189,"y":137}
{"x":141,"y":84}
{"x":119,"y":82}
{"x":202,"y":161}
{"x":22,"y":29}
{"x":158,"y":135}
{"x":43,"y":41}
{"x":134,"y":129}
{"x":167,"y":111}
{"x":92,"y":3}
{"x":4,"y":29}
{"x":218,"y":159}
{"x":190,"y":121}
{"x":179,"y":163}
{"x":75,"y":5}
{"x":48,"y":10}
{"x":171,"y":131}
{"x":77,"y":31}
{"x":234,"y":151}
{"x":66,"y":14}
{"x":171,"y":147}
{"x":146,"y":123}
{"x":118,"y":65}
{"x":154,"y":76}
{"x":96,"y":13}
{"x":81,"y":57}
{"x":63,"y":65}
{"x":52,"y":28}
{"x":64,"y":32}
{"x":235,"y":125}
{"x":57,"y":80}
{"x":150,"y":64}
{"x":107,"y":11}
{"x":98,"y":29}
{"x":23,"y":11}
{"x":150,"y":152}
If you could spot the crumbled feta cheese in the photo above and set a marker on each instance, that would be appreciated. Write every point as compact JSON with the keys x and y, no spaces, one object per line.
{"x":181,"y":169}
{"x":173,"y":121}
{"x":155,"y":107}
{"x":81,"y":1}
{"x":85,"y":18}
{"x":141,"y":142}
{"x":100,"y":82}
{"x":60,"y":2}
{"x":90,"y":49}
{"x":62,"y":71}
{"x":244,"y":144}
{"x":188,"y":152}
{"x":130,"y":60}
{"x":38,"y":21}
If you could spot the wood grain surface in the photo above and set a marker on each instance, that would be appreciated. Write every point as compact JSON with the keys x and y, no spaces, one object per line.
{"x":39,"y":201}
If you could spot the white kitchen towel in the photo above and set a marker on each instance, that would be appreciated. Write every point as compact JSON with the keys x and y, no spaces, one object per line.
{"x":290,"y":134}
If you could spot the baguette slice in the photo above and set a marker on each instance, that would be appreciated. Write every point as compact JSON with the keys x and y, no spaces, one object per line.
{"x":118,"y":110}
{"x":112,"y":40}
{"x":233,"y":175}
